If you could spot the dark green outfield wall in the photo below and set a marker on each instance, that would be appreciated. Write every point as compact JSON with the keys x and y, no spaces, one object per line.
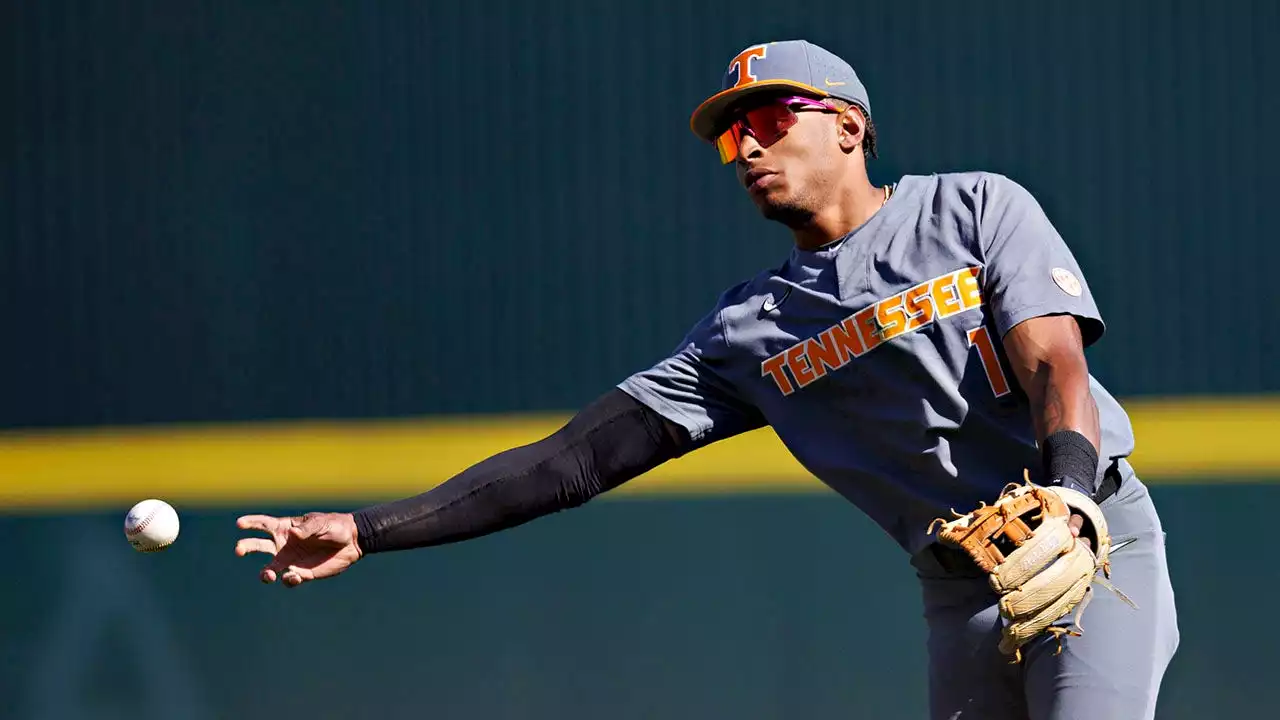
{"x":232,"y":210}
{"x":244,"y":210}
{"x":782,"y":607}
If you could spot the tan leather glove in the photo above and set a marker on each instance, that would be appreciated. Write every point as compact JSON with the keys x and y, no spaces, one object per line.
{"x":1040,"y":570}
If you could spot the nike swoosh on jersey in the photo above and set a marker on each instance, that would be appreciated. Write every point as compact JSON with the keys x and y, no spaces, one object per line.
{"x":770,"y":305}
{"x":832,"y":84}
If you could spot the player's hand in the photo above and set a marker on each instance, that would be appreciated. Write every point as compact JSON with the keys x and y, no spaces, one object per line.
{"x":311,"y":547}
{"x":1076,"y":522}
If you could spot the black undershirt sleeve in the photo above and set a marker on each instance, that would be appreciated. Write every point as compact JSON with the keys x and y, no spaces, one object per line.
{"x":612,"y":440}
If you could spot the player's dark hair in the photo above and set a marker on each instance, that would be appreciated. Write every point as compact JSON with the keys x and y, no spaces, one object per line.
{"x":869,"y":132}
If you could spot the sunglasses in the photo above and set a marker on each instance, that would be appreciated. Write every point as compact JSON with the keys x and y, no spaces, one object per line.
{"x":766,"y":123}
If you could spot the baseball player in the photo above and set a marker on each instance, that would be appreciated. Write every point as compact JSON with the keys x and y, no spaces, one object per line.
{"x":920,"y":350}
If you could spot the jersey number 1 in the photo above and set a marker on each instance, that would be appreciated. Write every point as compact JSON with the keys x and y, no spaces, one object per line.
{"x":981,"y":339}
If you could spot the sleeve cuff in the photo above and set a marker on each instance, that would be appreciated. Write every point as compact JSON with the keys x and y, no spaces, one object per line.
{"x":366,"y":536}
{"x":655,"y":402}
{"x":1092,"y":327}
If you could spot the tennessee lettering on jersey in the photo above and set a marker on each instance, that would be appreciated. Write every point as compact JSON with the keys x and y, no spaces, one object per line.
{"x":810,"y":360}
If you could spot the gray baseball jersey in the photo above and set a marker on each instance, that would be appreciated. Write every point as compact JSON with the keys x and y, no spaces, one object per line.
{"x":877,"y":360}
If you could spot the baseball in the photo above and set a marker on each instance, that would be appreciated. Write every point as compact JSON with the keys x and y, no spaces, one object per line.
{"x":151,"y":525}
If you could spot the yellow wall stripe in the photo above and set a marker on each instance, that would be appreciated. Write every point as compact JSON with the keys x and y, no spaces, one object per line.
{"x":333,"y":464}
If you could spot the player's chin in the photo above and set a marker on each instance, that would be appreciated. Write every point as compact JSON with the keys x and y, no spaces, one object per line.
{"x":770,"y":212}
{"x":787,"y":213}
{"x":769,"y":203}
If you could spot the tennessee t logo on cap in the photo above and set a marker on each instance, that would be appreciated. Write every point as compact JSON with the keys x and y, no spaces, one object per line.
{"x":796,"y":65}
{"x":742,"y":64}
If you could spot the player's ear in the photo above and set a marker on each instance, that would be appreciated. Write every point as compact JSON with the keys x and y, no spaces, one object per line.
{"x":851,"y":129}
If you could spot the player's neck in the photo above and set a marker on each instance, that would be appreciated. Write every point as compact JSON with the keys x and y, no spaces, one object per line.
{"x":851,"y":209}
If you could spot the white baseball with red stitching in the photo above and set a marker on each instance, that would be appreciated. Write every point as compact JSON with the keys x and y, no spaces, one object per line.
{"x":151,"y":525}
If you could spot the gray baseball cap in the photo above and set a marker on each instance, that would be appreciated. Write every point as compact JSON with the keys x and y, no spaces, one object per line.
{"x":795,"y":64}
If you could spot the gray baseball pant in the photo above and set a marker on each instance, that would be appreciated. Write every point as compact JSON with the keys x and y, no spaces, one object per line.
{"x":1112,"y":672}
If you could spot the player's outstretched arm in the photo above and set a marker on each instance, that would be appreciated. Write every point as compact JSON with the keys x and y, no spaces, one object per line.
{"x":612,"y":440}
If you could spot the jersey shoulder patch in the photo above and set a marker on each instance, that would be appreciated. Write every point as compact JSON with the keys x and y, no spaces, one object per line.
{"x":1067,"y":281}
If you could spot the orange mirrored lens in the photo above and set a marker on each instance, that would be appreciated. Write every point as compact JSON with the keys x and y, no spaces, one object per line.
{"x":766,"y":124}
{"x":728,"y":143}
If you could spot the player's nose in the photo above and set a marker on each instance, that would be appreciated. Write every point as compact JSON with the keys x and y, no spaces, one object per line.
{"x":749,"y":148}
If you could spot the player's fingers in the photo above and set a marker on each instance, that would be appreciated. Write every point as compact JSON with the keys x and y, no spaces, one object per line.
{"x":295,"y":576}
{"x":279,"y":564}
{"x":265,"y":523}
{"x":252,"y":545}
{"x":1075,"y":523}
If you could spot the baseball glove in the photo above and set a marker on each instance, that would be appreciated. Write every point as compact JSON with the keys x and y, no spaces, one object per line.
{"x":1040,"y":571}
